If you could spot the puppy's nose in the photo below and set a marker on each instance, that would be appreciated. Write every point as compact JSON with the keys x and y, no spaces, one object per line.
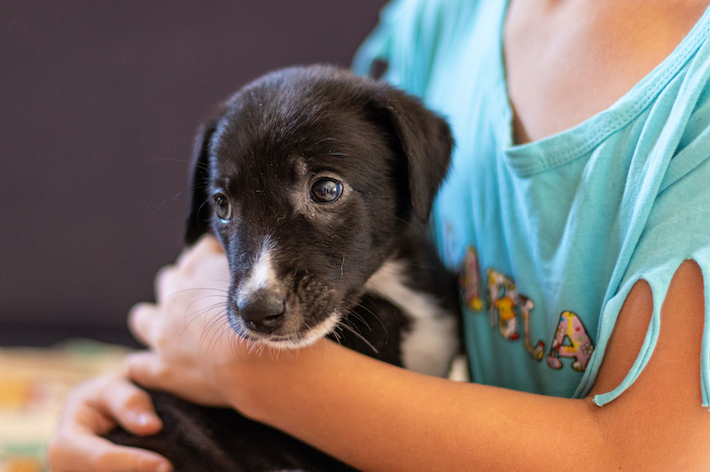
{"x":263,"y":311}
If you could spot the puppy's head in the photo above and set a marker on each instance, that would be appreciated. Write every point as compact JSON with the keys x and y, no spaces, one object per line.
{"x":310,"y":177}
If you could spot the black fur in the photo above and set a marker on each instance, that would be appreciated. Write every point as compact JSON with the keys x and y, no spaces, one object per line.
{"x":260,"y":158}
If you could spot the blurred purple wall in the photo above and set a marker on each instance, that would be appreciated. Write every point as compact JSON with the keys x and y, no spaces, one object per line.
{"x":98,"y":106}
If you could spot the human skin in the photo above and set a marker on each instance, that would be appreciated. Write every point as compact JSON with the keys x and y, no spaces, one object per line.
{"x":455,"y":424}
{"x":566,"y":61}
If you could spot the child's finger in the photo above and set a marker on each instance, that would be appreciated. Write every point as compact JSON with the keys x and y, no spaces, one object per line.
{"x":89,"y":453}
{"x":131,"y":407}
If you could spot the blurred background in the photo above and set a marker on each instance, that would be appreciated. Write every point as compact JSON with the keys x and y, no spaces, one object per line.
{"x":99,"y":102}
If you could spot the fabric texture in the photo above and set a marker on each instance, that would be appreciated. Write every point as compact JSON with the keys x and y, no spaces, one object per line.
{"x":549,"y":237}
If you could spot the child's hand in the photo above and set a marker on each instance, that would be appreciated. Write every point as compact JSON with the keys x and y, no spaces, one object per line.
{"x":94,"y":408}
{"x":187,"y":329}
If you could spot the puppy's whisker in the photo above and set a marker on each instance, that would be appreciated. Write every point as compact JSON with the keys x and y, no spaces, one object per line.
{"x":360,"y":318}
{"x":221,"y":291}
{"x":324,"y":140}
{"x":336,"y":333}
{"x":353,"y":326}
{"x":209,"y":326}
{"x":255,"y":347}
{"x":202,"y":185}
{"x":221,"y":301}
{"x":374,"y":315}
{"x":192,"y":316}
{"x":361,"y":337}
{"x":202,"y":206}
{"x":277,"y":351}
{"x":350,"y":325}
{"x":274,"y":353}
{"x":216,"y":328}
{"x":175,"y":197}
{"x":235,"y":340}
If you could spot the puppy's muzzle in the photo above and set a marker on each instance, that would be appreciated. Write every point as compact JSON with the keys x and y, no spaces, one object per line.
{"x":264,"y":311}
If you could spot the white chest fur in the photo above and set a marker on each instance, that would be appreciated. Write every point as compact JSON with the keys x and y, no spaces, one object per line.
{"x":432,"y":341}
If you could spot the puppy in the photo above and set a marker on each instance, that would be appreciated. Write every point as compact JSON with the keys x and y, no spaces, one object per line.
{"x":319,"y":185}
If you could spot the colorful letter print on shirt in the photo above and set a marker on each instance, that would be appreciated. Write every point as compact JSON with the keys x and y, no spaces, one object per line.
{"x":507,"y":307}
{"x":571,"y":340}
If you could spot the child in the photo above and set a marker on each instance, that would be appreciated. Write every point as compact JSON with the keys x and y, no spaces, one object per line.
{"x":577,"y":204}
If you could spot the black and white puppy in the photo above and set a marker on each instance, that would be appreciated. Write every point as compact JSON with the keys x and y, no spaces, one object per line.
{"x":319,"y":185}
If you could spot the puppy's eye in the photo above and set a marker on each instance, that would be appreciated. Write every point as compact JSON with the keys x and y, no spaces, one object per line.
{"x":222,"y":208}
{"x":326,"y":190}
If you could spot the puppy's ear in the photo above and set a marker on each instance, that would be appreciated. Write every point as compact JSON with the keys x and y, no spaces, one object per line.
{"x":426,"y":143}
{"x":198,"y":222}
